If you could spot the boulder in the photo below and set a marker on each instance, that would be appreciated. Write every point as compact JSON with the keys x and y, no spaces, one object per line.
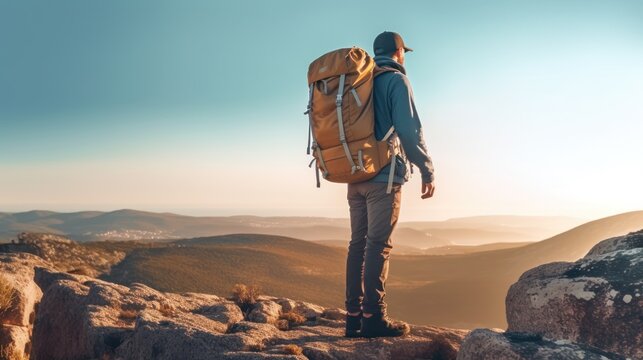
{"x":18,"y":270}
{"x":265,"y":311}
{"x":595,"y":300}
{"x":224,"y":312}
{"x":82,"y":317}
{"x":308,"y":310}
{"x":630,"y":241}
{"x":334,"y":314}
{"x":487,"y":344}
{"x":16,"y":321}
{"x":305,"y":309}
{"x":286,"y":304}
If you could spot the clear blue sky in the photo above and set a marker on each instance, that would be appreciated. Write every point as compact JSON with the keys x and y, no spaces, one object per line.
{"x":529,"y":107}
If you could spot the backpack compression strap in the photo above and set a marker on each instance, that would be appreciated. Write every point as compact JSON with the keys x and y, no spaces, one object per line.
{"x":315,"y":147}
{"x":390,"y":134}
{"x":340,"y":120}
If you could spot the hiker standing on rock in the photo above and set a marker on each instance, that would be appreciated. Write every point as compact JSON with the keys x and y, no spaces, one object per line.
{"x":364,"y":129}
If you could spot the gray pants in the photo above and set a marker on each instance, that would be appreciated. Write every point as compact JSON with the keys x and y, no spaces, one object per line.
{"x":374,"y":214}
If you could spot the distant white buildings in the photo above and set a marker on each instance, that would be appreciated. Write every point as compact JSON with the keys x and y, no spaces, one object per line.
{"x":128,"y":234}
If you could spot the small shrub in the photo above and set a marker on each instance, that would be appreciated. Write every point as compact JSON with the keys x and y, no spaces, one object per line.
{"x":293,"y":349}
{"x":291,"y":319}
{"x":167,"y":310}
{"x":7,"y":293}
{"x":282,"y":325}
{"x":245,"y":296}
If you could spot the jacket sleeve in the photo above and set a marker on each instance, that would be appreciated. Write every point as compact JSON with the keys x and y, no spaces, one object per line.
{"x":408,"y":127}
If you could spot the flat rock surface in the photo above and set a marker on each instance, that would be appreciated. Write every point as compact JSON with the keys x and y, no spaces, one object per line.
{"x":81,"y":317}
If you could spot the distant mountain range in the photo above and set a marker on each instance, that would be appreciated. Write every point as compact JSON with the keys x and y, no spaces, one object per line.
{"x":141,"y":225}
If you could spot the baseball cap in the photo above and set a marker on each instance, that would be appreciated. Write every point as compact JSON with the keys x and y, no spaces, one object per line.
{"x":387,"y":42}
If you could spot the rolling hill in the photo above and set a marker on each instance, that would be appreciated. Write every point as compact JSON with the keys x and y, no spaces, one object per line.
{"x":139,"y":225}
{"x":478,"y":230}
{"x":279,"y":265}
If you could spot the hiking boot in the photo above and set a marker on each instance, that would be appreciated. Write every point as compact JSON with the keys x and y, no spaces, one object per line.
{"x":353,"y":324}
{"x":379,"y":325}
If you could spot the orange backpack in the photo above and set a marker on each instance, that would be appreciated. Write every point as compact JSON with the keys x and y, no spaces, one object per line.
{"x":342,"y":118}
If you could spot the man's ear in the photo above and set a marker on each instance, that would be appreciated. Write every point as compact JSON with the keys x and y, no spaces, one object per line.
{"x":396,"y":55}
{"x":399,"y":52}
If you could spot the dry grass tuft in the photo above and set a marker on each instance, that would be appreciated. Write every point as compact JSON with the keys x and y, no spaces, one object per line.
{"x":128,"y":314}
{"x":245,"y":296}
{"x":7,"y":293}
{"x":293,"y":349}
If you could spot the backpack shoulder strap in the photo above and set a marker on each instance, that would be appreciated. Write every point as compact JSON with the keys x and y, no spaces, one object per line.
{"x":379,"y":70}
{"x":390,"y":134}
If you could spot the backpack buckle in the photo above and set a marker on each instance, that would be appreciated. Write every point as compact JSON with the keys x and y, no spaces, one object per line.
{"x":338,"y":100}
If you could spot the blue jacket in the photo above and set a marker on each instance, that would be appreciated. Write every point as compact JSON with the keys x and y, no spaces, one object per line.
{"x":394,"y":105}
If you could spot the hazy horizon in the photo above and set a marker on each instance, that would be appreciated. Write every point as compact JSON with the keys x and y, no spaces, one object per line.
{"x":529,"y":108}
{"x":233,"y":213}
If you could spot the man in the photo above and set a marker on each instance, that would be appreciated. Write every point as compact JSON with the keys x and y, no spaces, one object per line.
{"x":373,"y":212}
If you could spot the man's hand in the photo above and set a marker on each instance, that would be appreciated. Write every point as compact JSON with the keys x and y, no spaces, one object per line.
{"x":427,"y":190}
